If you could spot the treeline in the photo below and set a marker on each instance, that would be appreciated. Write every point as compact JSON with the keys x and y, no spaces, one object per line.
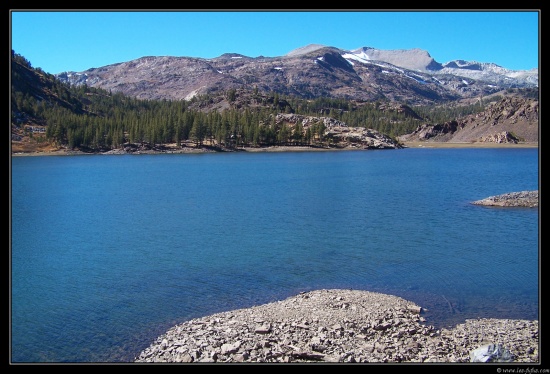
{"x":86,"y":117}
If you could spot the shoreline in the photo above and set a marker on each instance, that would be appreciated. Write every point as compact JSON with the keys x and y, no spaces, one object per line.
{"x":172,"y":149}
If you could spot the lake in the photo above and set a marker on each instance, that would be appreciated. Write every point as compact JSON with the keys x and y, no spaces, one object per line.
{"x":110,"y":251}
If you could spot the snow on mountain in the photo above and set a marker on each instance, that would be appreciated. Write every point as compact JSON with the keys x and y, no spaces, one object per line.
{"x":421,"y":61}
{"x":490,"y":72}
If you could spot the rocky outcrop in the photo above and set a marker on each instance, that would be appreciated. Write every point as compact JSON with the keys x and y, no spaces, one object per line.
{"x":339,"y":326}
{"x":441,"y":131}
{"x":500,"y":138}
{"x":529,"y":199}
{"x":338,"y":133}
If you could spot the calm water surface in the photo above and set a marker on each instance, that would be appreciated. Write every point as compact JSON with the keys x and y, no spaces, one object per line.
{"x":108,"y":252}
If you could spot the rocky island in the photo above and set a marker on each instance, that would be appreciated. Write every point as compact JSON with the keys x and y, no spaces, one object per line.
{"x":341,"y":326}
{"x":528,"y":199}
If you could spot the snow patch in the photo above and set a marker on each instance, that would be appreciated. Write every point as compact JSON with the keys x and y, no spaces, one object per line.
{"x":416,"y":78}
{"x":351,"y":56}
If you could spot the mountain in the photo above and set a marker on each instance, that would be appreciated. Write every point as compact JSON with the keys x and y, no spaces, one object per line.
{"x":367,"y":74}
{"x":48,"y":114}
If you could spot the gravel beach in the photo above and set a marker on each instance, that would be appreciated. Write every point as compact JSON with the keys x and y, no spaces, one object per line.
{"x":342,"y":326}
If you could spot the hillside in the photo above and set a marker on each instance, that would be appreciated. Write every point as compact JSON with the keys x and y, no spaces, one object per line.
{"x":510,"y":120}
{"x":32,"y":90}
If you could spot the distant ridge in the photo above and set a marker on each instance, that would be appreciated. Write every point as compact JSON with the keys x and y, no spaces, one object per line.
{"x":311,"y":71}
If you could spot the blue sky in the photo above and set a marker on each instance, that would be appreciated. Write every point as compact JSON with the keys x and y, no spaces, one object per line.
{"x":58,"y":41}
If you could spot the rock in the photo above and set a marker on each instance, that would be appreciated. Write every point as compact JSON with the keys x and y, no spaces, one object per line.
{"x":373,"y":327}
{"x":502,"y":137}
{"x":528,"y":199}
{"x":491,"y":353}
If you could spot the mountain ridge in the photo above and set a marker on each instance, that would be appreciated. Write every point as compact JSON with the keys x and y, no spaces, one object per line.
{"x":311,"y":71}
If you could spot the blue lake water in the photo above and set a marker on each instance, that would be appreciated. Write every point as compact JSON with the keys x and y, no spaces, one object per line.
{"x":108,"y":252}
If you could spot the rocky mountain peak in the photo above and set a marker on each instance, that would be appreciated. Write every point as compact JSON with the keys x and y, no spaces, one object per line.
{"x":413,"y":59}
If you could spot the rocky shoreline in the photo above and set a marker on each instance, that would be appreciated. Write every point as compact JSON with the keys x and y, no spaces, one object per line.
{"x":341,"y":326}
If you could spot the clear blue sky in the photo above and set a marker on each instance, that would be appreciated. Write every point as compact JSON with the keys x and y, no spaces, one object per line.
{"x":58,"y":41}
